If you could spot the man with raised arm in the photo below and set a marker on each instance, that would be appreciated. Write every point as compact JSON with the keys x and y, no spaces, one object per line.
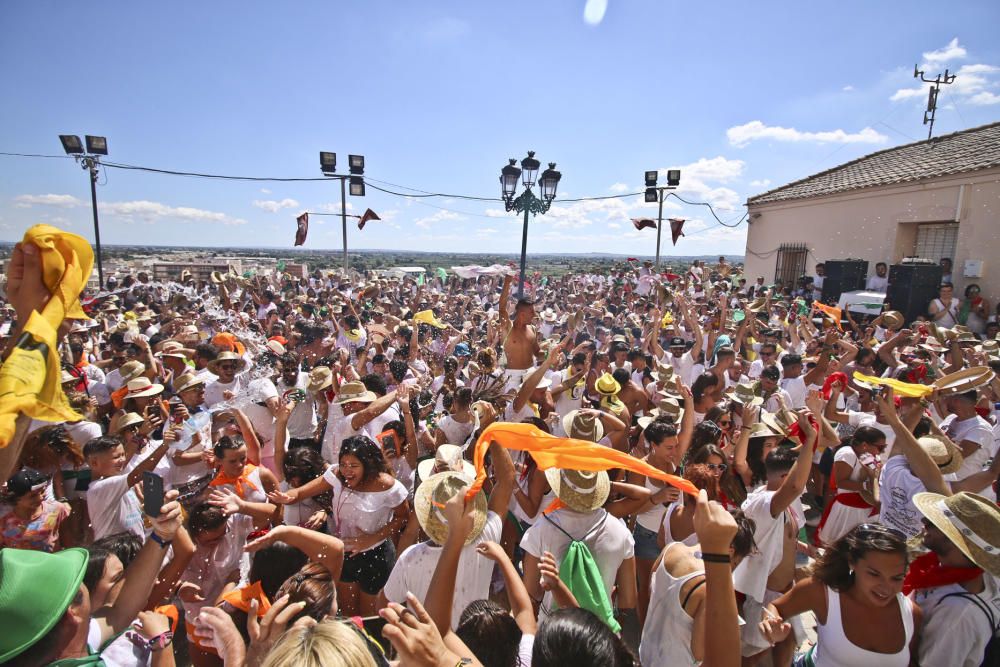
{"x":520,"y":343}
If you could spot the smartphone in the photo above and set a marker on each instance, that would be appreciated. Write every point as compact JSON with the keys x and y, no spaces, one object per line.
{"x":373,"y":626}
{"x":152,"y":493}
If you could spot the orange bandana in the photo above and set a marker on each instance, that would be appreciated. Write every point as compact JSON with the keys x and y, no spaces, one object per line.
{"x":240,"y":598}
{"x":242,"y":483}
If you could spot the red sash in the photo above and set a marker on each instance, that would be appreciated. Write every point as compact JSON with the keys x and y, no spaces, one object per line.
{"x":851,"y":499}
{"x":928,"y":572}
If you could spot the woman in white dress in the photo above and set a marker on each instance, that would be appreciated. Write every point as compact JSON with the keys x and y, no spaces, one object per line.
{"x":855,"y":468}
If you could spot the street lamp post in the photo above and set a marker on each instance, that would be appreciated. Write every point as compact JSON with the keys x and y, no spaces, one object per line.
{"x":356,"y":180}
{"x":658,"y":193}
{"x":527,"y":202}
{"x":90,"y":160}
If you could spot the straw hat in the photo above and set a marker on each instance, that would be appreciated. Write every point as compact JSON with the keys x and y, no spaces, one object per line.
{"x":217,"y":277}
{"x":213,"y":365}
{"x":757,"y":305}
{"x":123,"y":420}
{"x":66,"y":377}
{"x":944,"y":453}
{"x":275,"y":347}
{"x":606,"y":385}
{"x":141,"y":386}
{"x":320,"y":378}
{"x":187,"y":381}
{"x":172,"y":348}
{"x":971,"y":522}
{"x":893,"y":319}
{"x":670,"y":407}
{"x":447,"y":458}
{"x":354,"y":392}
{"x":580,"y":490}
{"x":583,"y":426}
{"x":743,"y":394}
{"x":780,"y":422}
{"x":762,"y":430}
{"x":990,"y":346}
{"x":663,"y":372}
{"x":431,"y":496}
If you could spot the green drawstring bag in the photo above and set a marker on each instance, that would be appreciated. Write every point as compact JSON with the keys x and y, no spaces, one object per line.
{"x":579,"y":571}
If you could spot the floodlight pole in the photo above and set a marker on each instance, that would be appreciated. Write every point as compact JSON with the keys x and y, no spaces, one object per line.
{"x":343,"y":218}
{"x":90,"y":163}
{"x":659,"y":229}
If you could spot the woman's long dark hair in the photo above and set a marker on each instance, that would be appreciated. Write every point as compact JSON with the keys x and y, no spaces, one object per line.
{"x":835,"y":567}
{"x":577,"y":637}
{"x":728,"y":483}
{"x":368,"y":452}
{"x":491,"y":633}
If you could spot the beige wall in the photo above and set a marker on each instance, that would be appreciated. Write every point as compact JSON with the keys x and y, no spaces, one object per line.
{"x":879,"y":224}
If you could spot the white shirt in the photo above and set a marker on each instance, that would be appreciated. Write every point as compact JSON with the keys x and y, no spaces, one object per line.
{"x":611,"y":544}
{"x":955,"y":630}
{"x":302,"y":421}
{"x":113,"y":506}
{"x":750,"y":576}
{"x":974,"y":429}
{"x":683,"y":366}
{"x":796,"y":389}
{"x":357,"y":513}
{"x":415,"y":567}
{"x":877,"y":284}
{"x":897,"y":486}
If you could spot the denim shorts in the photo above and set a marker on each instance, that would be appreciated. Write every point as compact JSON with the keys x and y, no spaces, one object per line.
{"x":646,"y":547}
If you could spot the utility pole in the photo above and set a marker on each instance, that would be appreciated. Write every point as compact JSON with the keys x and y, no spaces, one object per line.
{"x":91,"y":163}
{"x":932,"y":95}
{"x":656,"y":192}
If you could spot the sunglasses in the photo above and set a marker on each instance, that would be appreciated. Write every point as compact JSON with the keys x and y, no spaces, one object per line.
{"x":721,"y":467}
{"x":868,"y":529}
{"x":726,"y":423}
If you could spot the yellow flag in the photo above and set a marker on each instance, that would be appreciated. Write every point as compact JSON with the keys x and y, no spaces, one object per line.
{"x":427,"y":317}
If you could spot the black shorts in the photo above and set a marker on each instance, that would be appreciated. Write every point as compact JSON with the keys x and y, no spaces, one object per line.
{"x":370,"y":569}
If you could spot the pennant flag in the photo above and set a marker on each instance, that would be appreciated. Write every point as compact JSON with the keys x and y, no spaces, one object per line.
{"x":442,"y":274}
{"x":676,"y":224}
{"x":366,"y":216}
{"x":567,"y":453}
{"x":642,"y":223}
{"x":303,"y":229}
{"x":830,"y":311}
{"x":671,"y":277}
{"x":631,"y":259}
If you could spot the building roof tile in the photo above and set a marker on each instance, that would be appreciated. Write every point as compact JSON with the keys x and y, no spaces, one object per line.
{"x":969,"y":150}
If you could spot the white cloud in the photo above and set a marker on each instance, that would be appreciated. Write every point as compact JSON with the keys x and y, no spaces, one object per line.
{"x":848,"y":88}
{"x":273,"y":206}
{"x":593,"y":11}
{"x":333,"y":207}
{"x":741,"y":135}
{"x":907,"y":93}
{"x":697,"y":180}
{"x":944,"y":55}
{"x":760,"y":183}
{"x":614,"y":225}
{"x":265,"y":191}
{"x":984,"y":98}
{"x":426,"y":221}
{"x":151,"y":211}
{"x":619,"y":188}
{"x":62,"y":201}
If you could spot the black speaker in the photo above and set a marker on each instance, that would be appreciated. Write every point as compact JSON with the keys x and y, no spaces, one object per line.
{"x":912,"y":287}
{"x":843,"y":275}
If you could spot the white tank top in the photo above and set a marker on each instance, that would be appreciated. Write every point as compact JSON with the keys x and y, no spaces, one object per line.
{"x":690,"y":540}
{"x":651,"y":518}
{"x":666,"y":635}
{"x":834,"y":649}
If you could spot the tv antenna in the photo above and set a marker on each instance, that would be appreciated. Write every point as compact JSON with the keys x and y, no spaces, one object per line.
{"x":932,"y":94}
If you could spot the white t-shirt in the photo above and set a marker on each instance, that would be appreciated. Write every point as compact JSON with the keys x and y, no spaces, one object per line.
{"x":974,"y":429}
{"x":339,"y":429}
{"x":897,"y":486}
{"x":415,"y":567}
{"x":955,"y":630}
{"x":212,"y":568}
{"x":302,"y":421}
{"x":113,"y":506}
{"x":362,"y":512}
{"x":796,"y":389}
{"x":750,"y":576}
{"x":683,"y":365}
{"x":877,"y":284}
{"x":610,"y":544}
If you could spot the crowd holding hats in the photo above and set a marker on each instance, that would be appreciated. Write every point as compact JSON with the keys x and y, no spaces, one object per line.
{"x":256,"y":460}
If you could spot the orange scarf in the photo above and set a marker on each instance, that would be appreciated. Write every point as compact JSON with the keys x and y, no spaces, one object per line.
{"x":242,"y":483}
{"x":567,"y":453}
{"x":240,"y":598}
{"x":118,"y":397}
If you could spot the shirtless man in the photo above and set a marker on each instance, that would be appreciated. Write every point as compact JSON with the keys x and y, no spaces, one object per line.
{"x":520,"y":343}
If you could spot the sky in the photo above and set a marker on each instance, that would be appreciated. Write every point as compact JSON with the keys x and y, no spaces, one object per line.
{"x":742,"y":97}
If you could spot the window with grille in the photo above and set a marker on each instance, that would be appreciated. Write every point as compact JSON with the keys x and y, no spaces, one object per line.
{"x":791,"y":263}
{"x":936,"y":241}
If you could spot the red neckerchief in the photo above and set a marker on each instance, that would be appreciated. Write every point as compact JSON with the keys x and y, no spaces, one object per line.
{"x":917,"y":375}
{"x":928,"y":572}
{"x":828,"y":383}
{"x":795,"y":432}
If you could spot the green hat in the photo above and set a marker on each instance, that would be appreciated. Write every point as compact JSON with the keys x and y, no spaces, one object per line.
{"x":36,"y":588}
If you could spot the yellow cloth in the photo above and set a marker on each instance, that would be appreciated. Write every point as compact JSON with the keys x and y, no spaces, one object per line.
{"x":30,"y":377}
{"x":668,"y":319}
{"x":567,"y":453}
{"x":427,"y":317}
{"x":904,"y":389}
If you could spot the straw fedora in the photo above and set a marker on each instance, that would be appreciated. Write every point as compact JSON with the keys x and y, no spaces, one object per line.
{"x":943,"y":452}
{"x":275,"y":347}
{"x":762,"y":430}
{"x":354,"y":392}
{"x":743,"y":394}
{"x":141,"y":386}
{"x":971,"y":522}
{"x":447,"y":458}
{"x":757,"y":305}
{"x":583,"y":425}
{"x":241,"y":363}
{"x":187,"y":381}
{"x":67,"y":377}
{"x":430,"y":498}
{"x":122,"y":421}
{"x":663,"y":372}
{"x":780,"y":422}
{"x":893,"y":319}
{"x":670,"y":407}
{"x":217,"y":277}
{"x":320,"y":378}
{"x":580,"y":490}
{"x":172,"y":348}
{"x":606,"y":385}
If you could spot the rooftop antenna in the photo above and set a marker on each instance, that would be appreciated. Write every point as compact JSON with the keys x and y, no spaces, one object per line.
{"x":932,"y":95}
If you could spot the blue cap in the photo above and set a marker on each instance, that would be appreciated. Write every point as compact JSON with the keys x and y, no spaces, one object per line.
{"x":462,"y":350}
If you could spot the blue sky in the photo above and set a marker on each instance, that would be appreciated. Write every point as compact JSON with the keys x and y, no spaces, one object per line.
{"x":437,"y":95}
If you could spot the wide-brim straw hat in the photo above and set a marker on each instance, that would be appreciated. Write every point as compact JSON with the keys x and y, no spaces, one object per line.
{"x":743,"y":394}
{"x":187,"y":381}
{"x":141,"y":386}
{"x":663,"y":372}
{"x":762,"y":430}
{"x":583,"y":426}
{"x":354,"y":392}
{"x":429,"y":501}
{"x":757,"y":305}
{"x":580,"y":490}
{"x":275,"y":347}
{"x":320,"y":378}
{"x":447,"y":458}
{"x":606,"y":385}
{"x":780,"y":422}
{"x":213,"y":365}
{"x":893,"y":319}
{"x":971,"y":522}
{"x":123,"y":420}
{"x":943,"y":452}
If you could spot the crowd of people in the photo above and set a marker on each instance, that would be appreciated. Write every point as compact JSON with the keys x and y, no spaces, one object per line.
{"x":616,"y":469}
